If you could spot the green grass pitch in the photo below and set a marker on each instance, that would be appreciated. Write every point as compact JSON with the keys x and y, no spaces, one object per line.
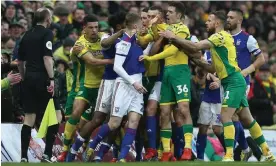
{"x":149,"y":164}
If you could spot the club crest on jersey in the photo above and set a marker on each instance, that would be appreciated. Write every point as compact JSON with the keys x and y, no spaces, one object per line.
{"x":238,"y":42}
{"x":117,"y":109}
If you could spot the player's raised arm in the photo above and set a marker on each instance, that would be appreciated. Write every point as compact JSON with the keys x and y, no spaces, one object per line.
{"x":202,"y":63}
{"x":107,"y":40}
{"x":188,"y":47}
{"x":89,"y":58}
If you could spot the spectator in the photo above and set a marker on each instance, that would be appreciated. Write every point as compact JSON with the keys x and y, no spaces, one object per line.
{"x":10,"y":13}
{"x":5,"y":29}
{"x":8,"y":43}
{"x":16,"y":30}
{"x":263,"y":98}
{"x":65,"y":27}
{"x":24,"y":23}
{"x":78,"y":16}
{"x":63,"y":52}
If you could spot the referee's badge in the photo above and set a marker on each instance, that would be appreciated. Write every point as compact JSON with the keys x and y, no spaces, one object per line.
{"x":49,"y":45}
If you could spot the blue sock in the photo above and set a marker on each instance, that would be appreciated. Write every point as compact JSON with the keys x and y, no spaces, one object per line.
{"x":151,"y":131}
{"x":104,"y":148}
{"x":127,"y":142}
{"x":78,"y":143}
{"x":102,"y":133}
{"x":201,"y":145}
{"x":179,"y":142}
{"x":237,"y":132}
{"x":242,"y":140}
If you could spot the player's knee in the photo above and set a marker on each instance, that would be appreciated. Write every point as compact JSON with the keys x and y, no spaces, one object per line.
{"x":203,"y":129}
{"x":184,"y":108}
{"x":98,"y":118}
{"x":76,"y":114}
{"x":133,"y":120}
{"x":165,"y":113}
{"x":151,"y":110}
{"x":114,"y":123}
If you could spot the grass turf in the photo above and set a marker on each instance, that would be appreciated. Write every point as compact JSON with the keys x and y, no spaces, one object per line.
{"x":151,"y":164}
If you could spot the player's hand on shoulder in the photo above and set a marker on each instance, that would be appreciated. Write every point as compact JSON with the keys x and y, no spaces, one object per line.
{"x":167,"y":34}
{"x":140,"y":88}
{"x":143,"y":57}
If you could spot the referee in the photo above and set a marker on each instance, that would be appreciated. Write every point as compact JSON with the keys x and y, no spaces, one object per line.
{"x":36,"y":69}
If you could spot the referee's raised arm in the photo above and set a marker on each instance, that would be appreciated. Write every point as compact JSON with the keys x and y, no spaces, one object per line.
{"x":36,"y":68}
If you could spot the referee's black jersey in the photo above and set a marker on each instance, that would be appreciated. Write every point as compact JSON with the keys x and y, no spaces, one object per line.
{"x":35,"y":44}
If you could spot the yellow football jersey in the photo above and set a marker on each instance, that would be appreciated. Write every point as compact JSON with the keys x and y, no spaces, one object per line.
{"x":223,"y":53}
{"x":86,"y":74}
{"x":171,"y":54}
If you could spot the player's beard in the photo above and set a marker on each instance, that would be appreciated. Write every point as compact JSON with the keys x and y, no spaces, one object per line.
{"x":211,"y":31}
{"x":231,"y":27}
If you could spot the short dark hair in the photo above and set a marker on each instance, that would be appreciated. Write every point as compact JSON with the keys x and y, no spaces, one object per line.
{"x":118,"y":18}
{"x":159,"y":8}
{"x":179,"y":7}
{"x":237,"y":10}
{"x":41,"y":14}
{"x":90,"y":18}
{"x":132,"y":18}
{"x":146,"y":9}
{"x":220,"y":15}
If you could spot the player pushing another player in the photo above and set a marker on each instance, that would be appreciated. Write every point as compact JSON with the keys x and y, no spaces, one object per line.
{"x":223,"y":52}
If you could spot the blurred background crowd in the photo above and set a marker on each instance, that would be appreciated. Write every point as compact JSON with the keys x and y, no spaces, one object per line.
{"x":17,"y":17}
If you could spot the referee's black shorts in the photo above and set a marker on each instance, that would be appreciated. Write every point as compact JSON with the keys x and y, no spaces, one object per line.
{"x":35,"y":95}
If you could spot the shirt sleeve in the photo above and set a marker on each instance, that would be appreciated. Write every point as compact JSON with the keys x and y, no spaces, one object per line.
{"x":252,"y":46}
{"x":48,"y":43}
{"x":147,"y":50}
{"x":122,"y":50}
{"x":217,"y":40}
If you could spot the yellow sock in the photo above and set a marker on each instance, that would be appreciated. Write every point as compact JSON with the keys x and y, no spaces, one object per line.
{"x":256,"y":133}
{"x":70,"y":128}
{"x":188,"y":135}
{"x":229,"y":136}
{"x":166,"y":135}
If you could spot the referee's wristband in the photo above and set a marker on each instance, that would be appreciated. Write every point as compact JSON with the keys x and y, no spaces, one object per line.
{"x":52,"y":79}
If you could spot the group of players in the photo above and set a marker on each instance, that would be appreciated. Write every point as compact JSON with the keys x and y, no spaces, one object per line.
{"x":110,"y":73}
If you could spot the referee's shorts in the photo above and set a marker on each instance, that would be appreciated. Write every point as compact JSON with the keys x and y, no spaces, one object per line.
{"x":35,"y":94}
